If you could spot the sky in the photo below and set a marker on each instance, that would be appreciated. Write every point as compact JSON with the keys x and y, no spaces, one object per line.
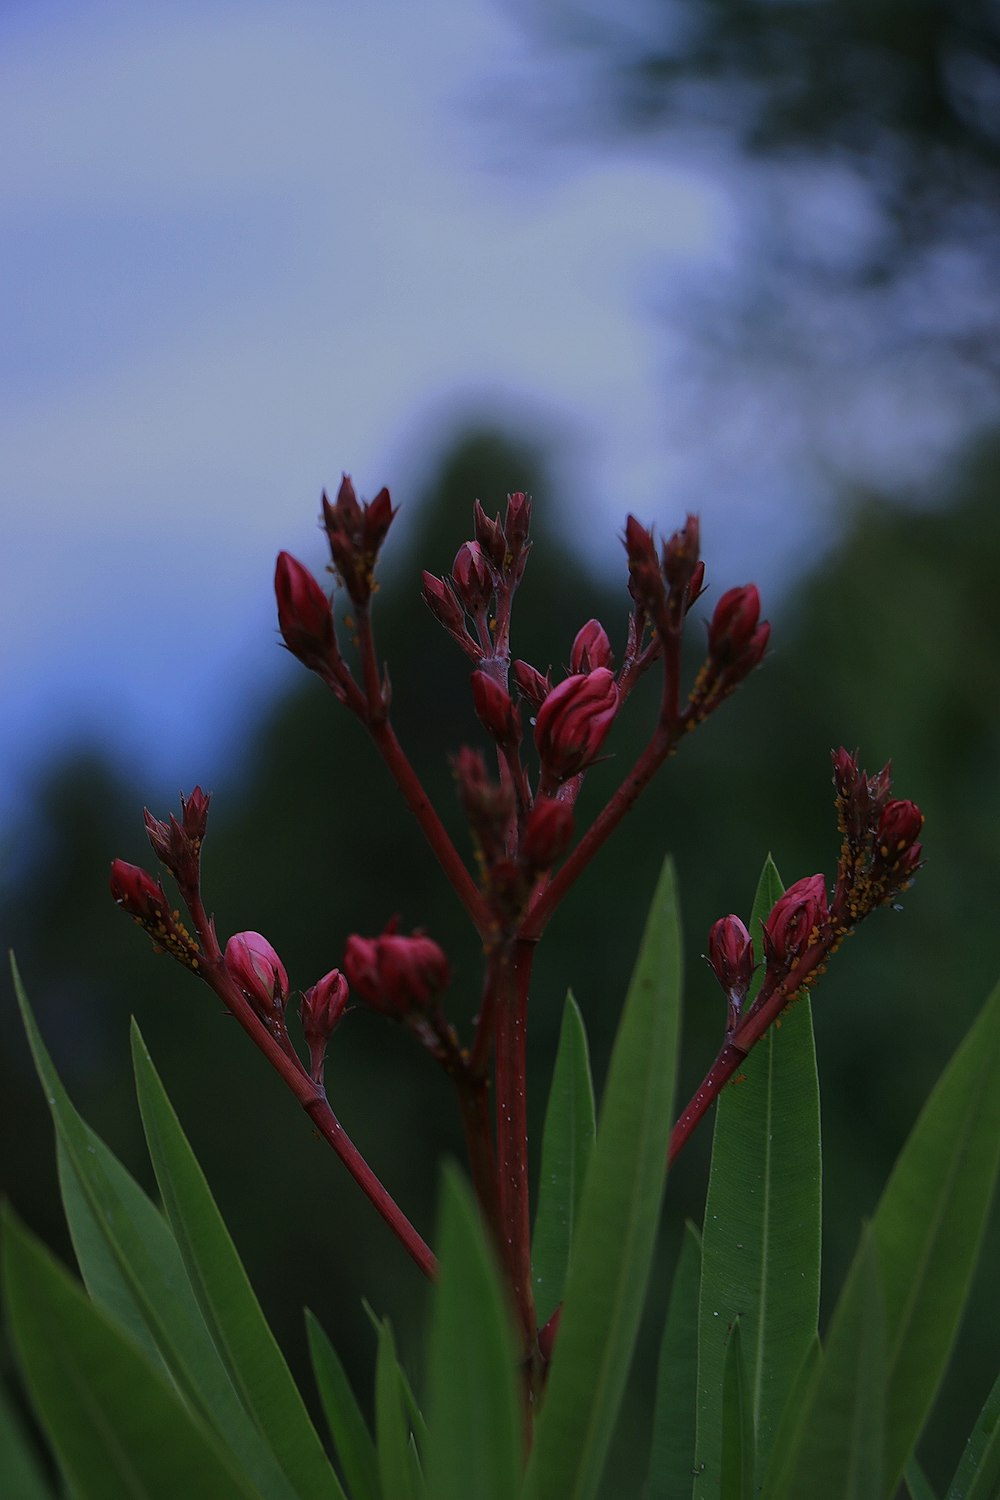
{"x":245,"y":247}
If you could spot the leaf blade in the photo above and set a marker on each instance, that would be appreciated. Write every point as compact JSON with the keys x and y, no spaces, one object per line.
{"x":618,"y":1220}
{"x":671,"y":1462}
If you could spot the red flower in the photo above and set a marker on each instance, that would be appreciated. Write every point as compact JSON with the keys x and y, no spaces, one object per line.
{"x":574,"y":720}
{"x":396,"y":974}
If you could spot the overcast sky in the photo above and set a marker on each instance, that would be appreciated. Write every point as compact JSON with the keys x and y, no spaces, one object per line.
{"x":246,"y":246}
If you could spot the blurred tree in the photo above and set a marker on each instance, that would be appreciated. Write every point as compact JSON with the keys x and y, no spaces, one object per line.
{"x":848,"y":313}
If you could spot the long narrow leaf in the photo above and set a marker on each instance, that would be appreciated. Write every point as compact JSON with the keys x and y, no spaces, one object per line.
{"x":761,"y":1247}
{"x":396,"y":1468}
{"x":473,"y":1407}
{"x":227,"y":1300}
{"x":836,"y":1451}
{"x":21,"y":1475}
{"x":929,"y":1225}
{"x":348,"y":1428}
{"x":613,"y":1246}
{"x":567,"y":1142}
{"x":131,"y":1267}
{"x":978,"y":1474}
{"x":671,"y":1463}
{"x":737,"y":1460}
{"x":917,"y":1483}
{"x":118,"y":1427}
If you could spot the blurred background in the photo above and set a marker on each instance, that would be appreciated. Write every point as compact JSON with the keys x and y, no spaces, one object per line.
{"x":651,"y":256}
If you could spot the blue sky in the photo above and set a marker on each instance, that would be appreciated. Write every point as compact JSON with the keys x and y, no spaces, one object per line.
{"x":246,"y":246}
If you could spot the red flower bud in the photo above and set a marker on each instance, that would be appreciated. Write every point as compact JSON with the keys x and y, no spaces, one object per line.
{"x":696,"y":586}
{"x":733,"y":630}
{"x":305,"y":618}
{"x":137,"y":892}
{"x":488,"y":804}
{"x":355,"y":533}
{"x":574,"y":720}
{"x":258,"y":971}
{"x":531,"y":684}
{"x":730,"y":954}
{"x":495,"y":708}
{"x":517,"y":522}
{"x":489,"y":535}
{"x":898,"y":827}
{"x":846,"y":775}
{"x":144,"y":899}
{"x":680,"y":556}
{"x":178,"y":845}
{"x":322,"y":1007}
{"x":395,"y":974}
{"x":591,"y":648}
{"x":794,"y":921}
{"x":548,"y":833}
{"x":472,"y":577}
{"x":645,"y":576}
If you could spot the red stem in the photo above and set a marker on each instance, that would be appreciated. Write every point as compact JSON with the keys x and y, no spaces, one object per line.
{"x":512,"y":1129}
{"x":607,"y":820}
{"x":310,"y":1095}
{"x":748,"y":1033}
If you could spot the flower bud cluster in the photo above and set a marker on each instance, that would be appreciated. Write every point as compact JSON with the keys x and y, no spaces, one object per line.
{"x":355,"y":531}
{"x":395,"y":974}
{"x":177,"y":845}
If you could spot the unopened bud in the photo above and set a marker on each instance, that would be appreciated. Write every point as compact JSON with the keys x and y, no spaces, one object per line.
{"x":305,"y":618}
{"x":489,"y":535}
{"x":794,"y":921}
{"x":574,"y":721}
{"x":178,"y":844}
{"x":734,"y":624}
{"x":680,"y":556}
{"x":495,"y":708}
{"x":259,"y":972}
{"x":531,"y":684}
{"x":591,"y":648}
{"x":730,"y":955}
{"x":473,"y":578}
{"x":144,"y":898}
{"x":548,"y":833}
{"x":322,"y":1007}
{"x":396,"y":974}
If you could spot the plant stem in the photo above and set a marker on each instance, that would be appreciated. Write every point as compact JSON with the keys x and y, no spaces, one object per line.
{"x":752,"y":1026}
{"x":548,"y":898}
{"x":512,"y":1129}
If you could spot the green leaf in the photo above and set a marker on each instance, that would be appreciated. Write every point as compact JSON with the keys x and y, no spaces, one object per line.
{"x":21,"y":1473}
{"x":978,"y":1474}
{"x":227,"y":1301}
{"x":131,"y":1267}
{"x":761,"y":1247}
{"x":395,"y":1457}
{"x":671,"y":1463}
{"x":917,"y":1482}
{"x":737,"y":1459}
{"x":613,"y":1246}
{"x":474,"y":1410}
{"x":836,"y":1450}
{"x":928,"y":1227}
{"x":348,"y":1428}
{"x":118,"y":1428}
{"x":567,"y":1143}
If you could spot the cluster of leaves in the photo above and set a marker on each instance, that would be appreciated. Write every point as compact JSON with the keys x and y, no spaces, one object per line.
{"x":162,"y":1378}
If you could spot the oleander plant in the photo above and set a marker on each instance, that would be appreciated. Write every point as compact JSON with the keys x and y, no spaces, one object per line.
{"x":155,"y":1373}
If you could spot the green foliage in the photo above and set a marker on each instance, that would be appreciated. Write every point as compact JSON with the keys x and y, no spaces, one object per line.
{"x":612,"y":1252}
{"x":671,"y":1461}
